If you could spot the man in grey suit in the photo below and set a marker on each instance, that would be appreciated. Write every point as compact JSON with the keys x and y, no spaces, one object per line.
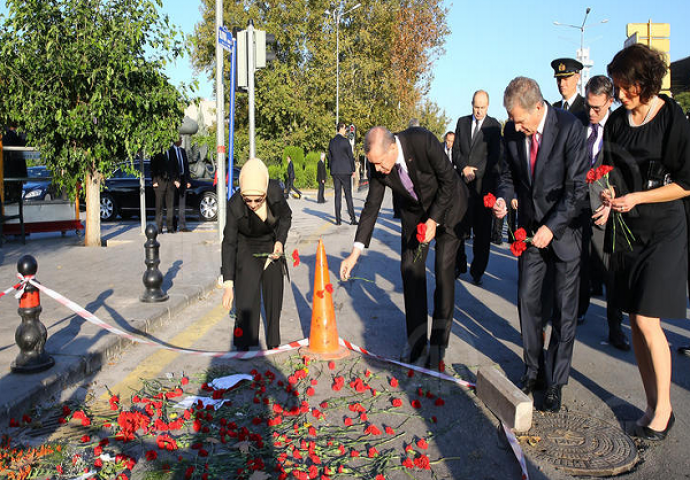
{"x":545,"y":163}
{"x":476,"y":153}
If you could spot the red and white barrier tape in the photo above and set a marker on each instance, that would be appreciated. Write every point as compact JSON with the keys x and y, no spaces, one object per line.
{"x":10,"y":290}
{"x":426,"y":371}
{"x":91,"y":318}
{"x":517,"y":451}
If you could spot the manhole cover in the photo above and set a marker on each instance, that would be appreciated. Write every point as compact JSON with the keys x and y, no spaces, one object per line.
{"x":580,"y":444}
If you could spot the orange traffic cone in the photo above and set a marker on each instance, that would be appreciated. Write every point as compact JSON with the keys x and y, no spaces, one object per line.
{"x":323,"y":337}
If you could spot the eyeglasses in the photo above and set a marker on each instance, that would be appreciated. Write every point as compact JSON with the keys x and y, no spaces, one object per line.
{"x":596,"y":109}
{"x":250,"y":201}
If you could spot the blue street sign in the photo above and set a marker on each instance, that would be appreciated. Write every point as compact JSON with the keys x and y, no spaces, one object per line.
{"x":225,"y":38}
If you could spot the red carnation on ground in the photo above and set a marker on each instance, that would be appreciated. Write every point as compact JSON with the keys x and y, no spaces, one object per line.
{"x":390,"y":431}
{"x":422,"y":462}
{"x":408,"y":463}
{"x":439,"y":402}
{"x":396,"y":402}
{"x":421,"y":443}
{"x":151,"y":455}
{"x":348,"y":422}
{"x":331,"y":365}
{"x":184,"y":381}
{"x":416,"y":404}
{"x":394,"y":382}
{"x":295,"y":258}
{"x":238,"y":332}
{"x":489,"y":200}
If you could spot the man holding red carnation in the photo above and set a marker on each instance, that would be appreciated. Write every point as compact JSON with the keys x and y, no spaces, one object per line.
{"x":545,"y":163}
{"x":414,"y":166}
{"x":595,"y":266}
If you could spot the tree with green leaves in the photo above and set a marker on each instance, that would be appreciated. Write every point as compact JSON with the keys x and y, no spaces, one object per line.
{"x":387,"y":50}
{"x":83,"y":79}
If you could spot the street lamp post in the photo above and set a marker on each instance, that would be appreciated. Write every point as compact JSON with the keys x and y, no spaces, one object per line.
{"x":582,"y":54}
{"x":338,"y":15}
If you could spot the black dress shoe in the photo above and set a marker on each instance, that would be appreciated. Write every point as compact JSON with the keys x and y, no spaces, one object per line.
{"x":647,"y":433}
{"x":338,"y":222}
{"x":684,"y":350}
{"x":477,"y":281}
{"x":580,"y":319}
{"x":619,"y":342}
{"x":552,"y":399}
{"x":185,"y":229}
{"x":354,"y":222}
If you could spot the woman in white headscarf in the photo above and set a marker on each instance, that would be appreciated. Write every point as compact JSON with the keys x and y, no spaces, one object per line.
{"x":258,"y":221}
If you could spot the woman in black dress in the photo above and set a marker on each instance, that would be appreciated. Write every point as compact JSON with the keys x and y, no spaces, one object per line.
{"x":647,"y":142}
{"x":258,"y":221}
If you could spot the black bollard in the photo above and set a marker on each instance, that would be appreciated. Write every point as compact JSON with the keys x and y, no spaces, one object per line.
{"x":31,"y":334}
{"x":153,"y":278}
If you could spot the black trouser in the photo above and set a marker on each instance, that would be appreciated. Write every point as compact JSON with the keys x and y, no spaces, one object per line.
{"x":164,"y":192}
{"x":533,"y":265}
{"x":478,"y":220}
{"x":320,"y":198}
{"x":251,"y":284}
{"x":181,"y":194}
{"x":344,"y":183}
{"x":600,"y":262}
{"x":291,"y":186}
{"x":414,"y":289}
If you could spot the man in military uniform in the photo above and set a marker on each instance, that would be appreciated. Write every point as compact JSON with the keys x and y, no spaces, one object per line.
{"x":566,"y":71}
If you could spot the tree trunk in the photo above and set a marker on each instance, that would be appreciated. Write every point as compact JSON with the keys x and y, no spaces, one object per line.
{"x":92,"y":238}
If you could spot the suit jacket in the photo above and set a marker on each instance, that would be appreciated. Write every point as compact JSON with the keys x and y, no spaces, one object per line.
{"x":162,"y":169}
{"x":340,"y":152}
{"x":554,"y":197}
{"x":246,"y":234}
{"x":482,"y":152}
{"x":442,"y":196}
{"x":183,"y":177}
{"x":321,"y":172}
{"x":577,"y":106}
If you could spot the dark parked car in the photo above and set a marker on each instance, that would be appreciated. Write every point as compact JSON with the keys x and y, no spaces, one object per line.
{"x":38,"y":189}
{"x":120,"y":195}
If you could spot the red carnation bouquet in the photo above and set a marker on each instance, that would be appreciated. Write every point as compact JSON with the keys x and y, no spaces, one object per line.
{"x":596,"y":175}
{"x":520,"y":238}
{"x":421,"y":235}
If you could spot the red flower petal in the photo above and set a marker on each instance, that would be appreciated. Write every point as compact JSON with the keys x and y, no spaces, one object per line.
{"x":416,"y":404}
{"x":421,"y":443}
{"x":329,"y":288}
{"x":295,"y":257}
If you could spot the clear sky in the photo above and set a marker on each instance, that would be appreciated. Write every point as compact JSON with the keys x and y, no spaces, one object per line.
{"x":493,"y":41}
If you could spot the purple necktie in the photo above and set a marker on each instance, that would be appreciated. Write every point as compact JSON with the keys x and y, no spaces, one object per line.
{"x":590,"y":144}
{"x":406,"y":181}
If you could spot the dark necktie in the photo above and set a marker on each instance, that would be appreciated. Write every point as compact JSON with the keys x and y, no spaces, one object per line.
{"x":475,"y":127}
{"x":406,"y":181}
{"x":565,"y":106}
{"x":179,"y":160}
{"x":591,"y":141}
{"x":533,"y":150}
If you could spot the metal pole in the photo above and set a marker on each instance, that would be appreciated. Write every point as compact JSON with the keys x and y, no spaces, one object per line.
{"x":337,"y":68}
{"x":250,"y":86}
{"x":220,"y":130}
{"x":231,"y":120}
{"x":142,"y":193}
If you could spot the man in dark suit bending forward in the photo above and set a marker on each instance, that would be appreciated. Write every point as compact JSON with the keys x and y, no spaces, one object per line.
{"x":413,"y":164}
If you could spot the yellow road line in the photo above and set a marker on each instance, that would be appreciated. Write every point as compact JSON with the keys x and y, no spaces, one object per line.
{"x":154,"y":364}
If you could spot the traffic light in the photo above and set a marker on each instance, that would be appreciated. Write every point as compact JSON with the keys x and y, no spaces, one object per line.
{"x":263,"y":48}
{"x":351,"y":133}
{"x":242,"y":67}
{"x":263,"y":53}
